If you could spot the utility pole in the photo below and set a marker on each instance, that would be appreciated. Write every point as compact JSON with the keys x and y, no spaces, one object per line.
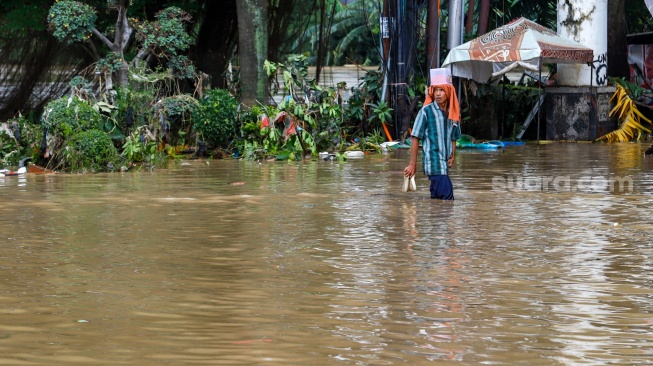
{"x":433,"y":35}
{"x":399,"y":59}
{"x":399,"y":29}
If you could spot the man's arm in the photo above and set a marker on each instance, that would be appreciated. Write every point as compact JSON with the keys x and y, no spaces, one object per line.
{"x":453,"y":153}
{"x":409,"y":171}
{"x":456,"y":134}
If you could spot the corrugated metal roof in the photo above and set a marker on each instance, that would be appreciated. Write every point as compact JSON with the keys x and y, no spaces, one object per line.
{"x":640,"y":38}
{"x":332,"y":75}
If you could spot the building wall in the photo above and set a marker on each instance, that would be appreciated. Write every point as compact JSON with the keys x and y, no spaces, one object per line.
{"x":574,"y":114}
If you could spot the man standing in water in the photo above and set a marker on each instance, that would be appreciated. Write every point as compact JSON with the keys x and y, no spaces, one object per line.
{"x":438,"y":126}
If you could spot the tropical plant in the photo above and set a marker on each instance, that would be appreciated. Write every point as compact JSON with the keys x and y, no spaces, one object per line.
{"x":318,"y":112}
{"x":141,"y":147}
{"x":375,"y":137}
{"x":294,"y":72}
{"x":331,"y":33}
{"x":627,"y":112}
{"x":260,"y":137}
{"x":381,"y":112}
{"x":300,"y":124}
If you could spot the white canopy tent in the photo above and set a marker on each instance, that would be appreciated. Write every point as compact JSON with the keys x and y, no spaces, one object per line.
{"x":520,"y":43}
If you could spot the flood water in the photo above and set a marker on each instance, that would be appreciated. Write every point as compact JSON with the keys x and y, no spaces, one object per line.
{"x":539,"y":261}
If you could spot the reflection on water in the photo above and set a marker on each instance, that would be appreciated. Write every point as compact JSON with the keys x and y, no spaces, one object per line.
{"x":325,"y":263}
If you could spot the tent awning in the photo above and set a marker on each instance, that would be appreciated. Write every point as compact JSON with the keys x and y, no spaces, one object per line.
{"x":521,"y":41}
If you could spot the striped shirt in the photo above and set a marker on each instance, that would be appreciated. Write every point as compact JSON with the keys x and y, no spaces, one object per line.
{"x":436,"y":132}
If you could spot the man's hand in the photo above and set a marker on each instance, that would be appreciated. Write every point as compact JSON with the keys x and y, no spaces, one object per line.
{"x":409,"y":171}
{"x":450,"y":161}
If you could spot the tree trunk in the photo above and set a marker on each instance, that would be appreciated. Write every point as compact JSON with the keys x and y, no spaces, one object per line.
{"x":122,"y":35}
{"x":469,"y":22}
{"x":216,"y":39}
{"x":324,"y":33}
{"x":483,"y":16}
{"x":617,"y":46}
{"x":252,"y":50}
{"x":432,"y":30}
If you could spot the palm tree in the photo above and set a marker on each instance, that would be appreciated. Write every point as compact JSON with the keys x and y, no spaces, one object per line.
{"x":349,"y":27}
{"x":354,"y":33}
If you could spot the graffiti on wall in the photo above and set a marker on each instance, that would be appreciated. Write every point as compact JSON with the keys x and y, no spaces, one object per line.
{"x":601,"y":67}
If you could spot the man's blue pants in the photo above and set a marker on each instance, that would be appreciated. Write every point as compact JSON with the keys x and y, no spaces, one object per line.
{"x":441,"y":187}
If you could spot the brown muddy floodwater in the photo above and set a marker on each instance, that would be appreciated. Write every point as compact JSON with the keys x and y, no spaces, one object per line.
{"x":541,"y":260}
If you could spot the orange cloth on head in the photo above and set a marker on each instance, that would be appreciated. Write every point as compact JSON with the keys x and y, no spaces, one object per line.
{"x":452,"y":99}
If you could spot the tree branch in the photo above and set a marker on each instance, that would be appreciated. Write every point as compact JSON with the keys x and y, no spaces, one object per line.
{"x":104,"y":39}
{"x":123,"y":29}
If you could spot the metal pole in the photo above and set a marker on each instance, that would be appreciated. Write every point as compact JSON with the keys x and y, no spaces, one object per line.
{"x":437,"y":53}
{"x":455,"y":28}
{"x":400,"y":62}
{"x":593,"y":103}
{"x":539,"y":96}
{"x":386,"y":42}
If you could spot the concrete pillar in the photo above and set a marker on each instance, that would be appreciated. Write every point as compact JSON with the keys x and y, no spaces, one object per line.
{"x":577,"y":109}
{"x":586,"y":22}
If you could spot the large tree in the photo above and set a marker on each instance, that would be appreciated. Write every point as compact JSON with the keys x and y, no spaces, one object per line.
{"x":216,"y":39}
{"x":252,"y":50}
{"x":161,"y":40}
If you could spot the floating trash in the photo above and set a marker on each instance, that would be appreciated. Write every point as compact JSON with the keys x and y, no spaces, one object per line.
{"x":355,"y":154}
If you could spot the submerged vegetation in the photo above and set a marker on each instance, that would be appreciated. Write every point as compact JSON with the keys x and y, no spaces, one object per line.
{"x":138,"y":101}
{"x":148,"y":123}
{"x":143,"y":103}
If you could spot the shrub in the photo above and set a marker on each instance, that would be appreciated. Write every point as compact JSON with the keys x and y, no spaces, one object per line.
{"x":215,"y":120}
{"x":19,"y":138}
{"x":174,"y":114}
{"x":67,"y":116}
{"x":9,"y":148}
{"x":90,"y":151}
